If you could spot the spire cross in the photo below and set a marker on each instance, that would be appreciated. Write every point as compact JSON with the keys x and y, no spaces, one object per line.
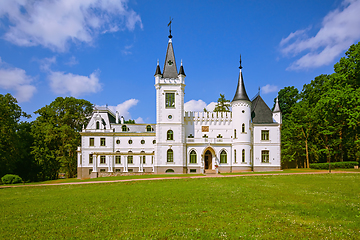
{"x":169,"y":25}
{"x":240,"y":62}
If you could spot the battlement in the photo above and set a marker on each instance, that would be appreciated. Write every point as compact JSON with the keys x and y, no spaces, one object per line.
{"x":208,"y":116}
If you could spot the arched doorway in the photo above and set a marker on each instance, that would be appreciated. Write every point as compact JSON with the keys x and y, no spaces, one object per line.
{"x":208,"y":160}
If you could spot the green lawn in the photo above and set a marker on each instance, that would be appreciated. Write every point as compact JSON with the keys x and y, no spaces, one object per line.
{"x":257,"y":207}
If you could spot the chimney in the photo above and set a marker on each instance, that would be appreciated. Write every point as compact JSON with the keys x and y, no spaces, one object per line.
{"x":122,"y":120}
{"x":117,"y":117}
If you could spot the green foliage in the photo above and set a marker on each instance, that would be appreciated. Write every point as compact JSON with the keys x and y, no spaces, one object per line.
{"x":56,"y":136}
{"x":129,"y":121}
{"x":323,"y":121}
{"x":14,"y":143}
{"x":11,"y":179}
{"x":258,"y":207}
{"x":223,"y":105}
{"x":333,"y":165}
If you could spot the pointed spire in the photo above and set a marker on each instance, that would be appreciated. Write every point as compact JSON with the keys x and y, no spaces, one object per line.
{"x":277,"y":106}
{"x":170,"y":70}
{"x":181,"y":71}
{"x":158,"y":71}
{"x":240,"y":91}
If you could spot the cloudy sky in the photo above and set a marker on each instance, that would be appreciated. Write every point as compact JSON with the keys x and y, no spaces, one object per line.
{"x":106,"y":51}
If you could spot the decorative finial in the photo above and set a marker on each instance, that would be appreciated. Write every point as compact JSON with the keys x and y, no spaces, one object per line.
{"x":240,"y":62}
{"x":181,"y":62}
{"x":158,"y":62}
{"x":169,"y":25}
{"x":259,"y":91}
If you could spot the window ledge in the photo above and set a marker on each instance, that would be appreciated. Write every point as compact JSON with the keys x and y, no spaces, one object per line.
{"x":170,"y":162}
{"x":243,"y":162}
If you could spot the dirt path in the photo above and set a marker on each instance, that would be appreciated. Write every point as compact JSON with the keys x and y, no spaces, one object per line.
{"x":164,"y":178}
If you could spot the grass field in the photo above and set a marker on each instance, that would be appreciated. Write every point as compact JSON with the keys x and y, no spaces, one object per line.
{"x":257,"y":207}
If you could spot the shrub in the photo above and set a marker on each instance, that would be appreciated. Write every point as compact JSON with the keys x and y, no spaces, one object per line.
{"x":11,"y":179}
{"x":333,"y":165}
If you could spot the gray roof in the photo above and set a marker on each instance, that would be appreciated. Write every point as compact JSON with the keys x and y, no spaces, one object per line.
{"x":170,"y":70}
{"x":277,"y":106}
{"x":158,"y":71}
{"x":240,"y":93}
{"x":181,"y":71}
{"x":260,"y":112}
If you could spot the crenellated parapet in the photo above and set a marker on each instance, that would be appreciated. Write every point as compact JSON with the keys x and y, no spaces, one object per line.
{"x":208,"y":116}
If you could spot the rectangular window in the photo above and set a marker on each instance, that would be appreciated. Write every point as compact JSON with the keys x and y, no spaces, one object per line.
{"x":170,"y":100}
{"x":143,"y":159}
{"x":152,"y":159}
{"x":118,"y":159}
{"x":91,"y":158}
{"x":130,"y":170}
{"x":265,"y":156}
{"x":102,"y":159}
{"x":264,"y":134}
{"x":102,"y":170}
{"x":102,"y":141}
{"x":234,"y":133}
{"x":192,"y":170}
{"x":91,"y":143}
{"x":243,"y":155}
{"x":117,"y":170}
{"x":130,"y":159}
{"x":234,"y":156}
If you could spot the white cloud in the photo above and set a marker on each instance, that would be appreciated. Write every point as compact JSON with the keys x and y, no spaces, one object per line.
{"x":54,"y":23}
{"x":269,"y":88}
{"x":46,"y":63}
{"x":198,"y":106}
{"x":76,"y":85}
{"x":340,"y":29}
{"x":123,"y":109}
{"x":17,"y":80}
{"x":72,"y":61}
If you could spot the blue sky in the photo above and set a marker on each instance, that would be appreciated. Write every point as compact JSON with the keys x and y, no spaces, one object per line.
{"x":105,"y":51}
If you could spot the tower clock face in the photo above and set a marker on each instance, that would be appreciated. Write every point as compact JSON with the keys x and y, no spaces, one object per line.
{"x":170,"y":62}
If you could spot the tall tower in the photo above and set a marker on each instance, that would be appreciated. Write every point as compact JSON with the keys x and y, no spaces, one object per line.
{"x":241,"y":121}
{"x":170,"y":85}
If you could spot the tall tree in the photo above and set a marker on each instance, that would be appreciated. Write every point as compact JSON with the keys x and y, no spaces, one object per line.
{"x":56,"y":135}
{"x":10,"y":116}
{"x":287,"y":97}
{"x":223,"y":105}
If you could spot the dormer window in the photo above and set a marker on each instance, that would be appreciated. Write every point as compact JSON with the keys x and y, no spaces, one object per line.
{"x":97,"y":125}
{"x":124,"y":128}
{"x":148,"y":128}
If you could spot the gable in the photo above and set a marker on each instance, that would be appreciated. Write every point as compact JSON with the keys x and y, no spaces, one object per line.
{"x":260,"y":112}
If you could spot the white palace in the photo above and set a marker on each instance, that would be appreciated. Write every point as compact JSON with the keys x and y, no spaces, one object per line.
{"x":245,"y":139}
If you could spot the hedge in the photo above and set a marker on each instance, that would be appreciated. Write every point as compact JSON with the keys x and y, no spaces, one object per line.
{"x":333,"y":165}
{"x":11,"y":179}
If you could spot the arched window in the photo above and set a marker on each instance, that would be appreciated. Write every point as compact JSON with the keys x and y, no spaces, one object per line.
{"x":148,"y":128}
{"x":130,"y":158}
{"x":223,"y":157}
{"x":234,"y":156}
{"x":170,"y":135}
{"x":193,"y":156}
{"x":97,"y":125}
{"x":142,"y":158}
{"x":243,"y":128}
{"x":124,"y":128}
{"x":243,"y":155}
{"x":170,"y":155}
{"x":169,"y":171}
{"x":234,"y":133}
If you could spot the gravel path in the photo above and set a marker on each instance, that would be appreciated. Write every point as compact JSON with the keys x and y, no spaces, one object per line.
{"x":164,"y":178}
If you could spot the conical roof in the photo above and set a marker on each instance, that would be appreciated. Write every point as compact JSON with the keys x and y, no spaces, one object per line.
{"x":181,"y":71}
{"x":170,"y":70}
{"x":240,"y":93}
{"x":158,"y":71}
{"x":277,"y":106}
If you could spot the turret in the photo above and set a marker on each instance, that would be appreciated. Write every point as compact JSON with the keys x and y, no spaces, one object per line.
{"x":277,"y":116}
{"x":241,"y":120}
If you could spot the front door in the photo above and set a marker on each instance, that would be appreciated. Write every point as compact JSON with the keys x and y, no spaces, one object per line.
{"x":208,"y":160}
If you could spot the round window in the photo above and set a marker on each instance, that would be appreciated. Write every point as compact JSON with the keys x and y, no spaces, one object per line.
{"x":118,"y":141}
{"x":130,"y":141}
{"x":154,"y":141}
{"x":142,"y":141}
{"x":243,"y":111}
{"x":170,"y":117}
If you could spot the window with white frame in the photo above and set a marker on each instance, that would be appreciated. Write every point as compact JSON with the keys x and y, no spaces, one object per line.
{"x":265,"y":156}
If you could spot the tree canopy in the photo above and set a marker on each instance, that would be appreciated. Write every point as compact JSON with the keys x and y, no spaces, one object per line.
{"x":223,"y":105}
